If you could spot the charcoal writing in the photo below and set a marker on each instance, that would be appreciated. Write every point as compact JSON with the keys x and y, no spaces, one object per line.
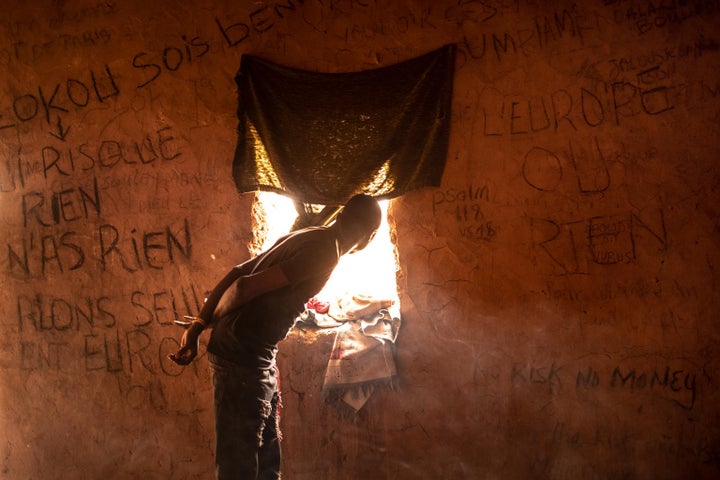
{"x":170,"y":59}
{"x":465,"y":205}
{"x":598,"y":437}
{"x":571,"y":247}
{"x":59,"y":99}
{"x":136,"y":250}
{"x":129,"y":351}
{"x":543,"y":170}
{"x":31,"y":52}
{"x":95,"y":11}
{"x":546,"y":31}
{"x":453,"y":195}
{"x":42,"y":355}
{"x":666,"y":380}
{"x":566,"y":110}
{"x":259,"y":21}
{"x":672,"y":381}
{"x":40,"y":312}
{"x":131,"y":249}
{"x":546,"y":376}
{"x":110,"y":333}
{"x":396,"y":26}
{"x":162,"y":307}
{"x":651,"y":15}
{"x":618,"y":290}
{"x":677,"y":384}
{"x":105,"y":155}
{"x":66,"y":205}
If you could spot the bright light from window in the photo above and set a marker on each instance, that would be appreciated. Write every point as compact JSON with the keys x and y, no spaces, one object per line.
{"x":370,"y":272}
{"x":274,"y":216}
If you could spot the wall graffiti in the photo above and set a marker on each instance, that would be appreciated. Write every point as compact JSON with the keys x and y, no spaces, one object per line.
{"x":565,"y":111}
{"x":674,"y":382}
{"x":572,"y":247}
{"x":258,"y":21}
{"x":72,"y":93}
{"x":54,"y":237}
{"x":467,"y":207}
{"x":108,"y":246}
{"x":171,"y":58}
{"x":657,"y":15}
{"x":113,"y":333}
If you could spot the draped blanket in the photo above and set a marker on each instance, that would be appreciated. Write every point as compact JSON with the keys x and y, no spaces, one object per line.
{"x":363,"y":353}
{"x":321,"y":137}
{"x":362,"y":359}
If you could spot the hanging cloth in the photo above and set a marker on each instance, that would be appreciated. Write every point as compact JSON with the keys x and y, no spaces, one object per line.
{"x":322,"y":137}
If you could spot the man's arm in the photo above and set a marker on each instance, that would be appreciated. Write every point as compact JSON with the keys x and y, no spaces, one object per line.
{"x":206,"y":313}
{"x":245,"y":286}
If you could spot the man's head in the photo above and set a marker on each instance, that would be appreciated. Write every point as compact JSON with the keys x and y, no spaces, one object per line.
{"x":358,"y":221}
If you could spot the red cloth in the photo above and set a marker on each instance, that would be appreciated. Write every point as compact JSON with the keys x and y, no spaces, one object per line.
{"x":318,"y":305}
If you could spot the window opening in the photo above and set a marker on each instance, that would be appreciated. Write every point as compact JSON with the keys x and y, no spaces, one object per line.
{"x":370,"y":272}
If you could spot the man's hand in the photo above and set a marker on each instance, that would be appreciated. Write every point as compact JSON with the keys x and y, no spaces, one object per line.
{"x":189,"y":343}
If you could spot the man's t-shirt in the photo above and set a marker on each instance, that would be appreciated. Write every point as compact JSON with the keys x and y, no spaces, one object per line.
{"x":249,"y":335}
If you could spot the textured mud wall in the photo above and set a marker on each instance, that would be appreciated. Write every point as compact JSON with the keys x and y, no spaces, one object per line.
{"x":559,"y":291}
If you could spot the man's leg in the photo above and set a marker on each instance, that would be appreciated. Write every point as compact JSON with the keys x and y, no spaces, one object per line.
{"x":269,"y":453}
{"x":241,"y":413}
